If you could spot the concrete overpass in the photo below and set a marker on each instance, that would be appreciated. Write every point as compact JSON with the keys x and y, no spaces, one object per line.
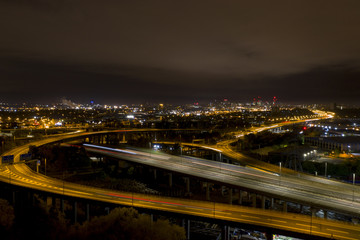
{"x":21,"y":175}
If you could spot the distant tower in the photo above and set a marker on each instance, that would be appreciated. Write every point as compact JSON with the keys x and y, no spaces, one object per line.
{"x":274,"y":100}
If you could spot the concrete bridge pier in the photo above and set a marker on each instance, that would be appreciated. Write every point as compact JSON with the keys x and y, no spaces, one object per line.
{"x":170,"y":180}
{"x":240,"y":197}
{"x":272,"y":203}
{"x":263,"y":201}
{"x":123,"y":139}
{"x":62,"y":205}
{"x":325,"y":214}
{"x":187,"y":181}
{"x":48,"y":202}
{"x":187,"y":228}
{"x":13,"y":200}
{"x":284,"y":206}
{"x":75,"y":211}
{"x":87,"y":212}
{"x":208,"y":191}
{"x":53,"y":202}
{"x":225,"y":232}
{"x":313,"y":212}
{"x":254,"y":200}
{"x":155,"y":174}
{"x":230,"y":195}
{"x":31,"y":198}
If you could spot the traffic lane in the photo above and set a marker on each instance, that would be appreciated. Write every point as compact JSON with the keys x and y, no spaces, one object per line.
{"x":189,"y":207}
{"x":281,"y":191}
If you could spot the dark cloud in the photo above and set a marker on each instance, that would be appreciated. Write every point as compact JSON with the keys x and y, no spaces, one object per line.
{"x":178,"y":50}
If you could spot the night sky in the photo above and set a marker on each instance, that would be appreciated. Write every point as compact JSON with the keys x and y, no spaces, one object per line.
{"x":122,"y":52}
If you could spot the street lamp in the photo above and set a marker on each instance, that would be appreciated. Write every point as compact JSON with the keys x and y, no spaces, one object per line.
{"x":353,"y":186}
{"x":280,"y":167}
{"x":325,"y":169}
{"x":353,"y":178}
{"x":279,"y":173}
{"x":181,"y":157}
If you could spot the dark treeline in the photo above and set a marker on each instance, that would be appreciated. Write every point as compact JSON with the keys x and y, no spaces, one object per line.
{"x":34,"y":222}
{"x":342,"y":171}
{"x":267,"y":138}
{"x":347,"y":113}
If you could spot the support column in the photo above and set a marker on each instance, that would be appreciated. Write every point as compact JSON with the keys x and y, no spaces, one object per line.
{"x":313,"y":212}
{"x":75,"y":212}
{"x":107,"y":210}
{"x":325,"y":214}
{"x":13,"y":198}
{"x":187,"y":229}
{"x":62,"y":205}
{"x":208,"y":191}
{"x":230,"y":195}
{"x":225,"y":233}
{"x":53,"y":202}
{"x":187,"y":180}
{"x":254,"y":200}
{"x":87,"y":212}
{"x":48,"y":202}
{"x":170,"y":179}
{"x":155,"y":174}
{"x":240,"y":197}
{"x":284,"y":206}
{"x":272,"y":203}
{"x":263,"y":200}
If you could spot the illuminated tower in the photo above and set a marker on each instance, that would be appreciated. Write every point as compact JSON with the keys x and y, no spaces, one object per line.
{"x":274,"y":100}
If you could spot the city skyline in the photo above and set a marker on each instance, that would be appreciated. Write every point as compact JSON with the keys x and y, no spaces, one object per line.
{"x":161,"y":51}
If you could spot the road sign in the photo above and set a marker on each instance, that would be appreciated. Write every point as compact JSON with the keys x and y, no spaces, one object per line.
{"x":8,"y":159}
{"x":38,"y":162}
{"x":26,"y":156}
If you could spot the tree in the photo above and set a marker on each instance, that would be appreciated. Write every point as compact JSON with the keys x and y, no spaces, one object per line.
{"x":127,"y":223}
{"x":6,"y":215}
{"x":34,"y":222}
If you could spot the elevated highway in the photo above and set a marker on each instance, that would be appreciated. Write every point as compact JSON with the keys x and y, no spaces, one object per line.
{"x":314,"y":192}
{"x":306,"y":226}
{"x":283,"y":186}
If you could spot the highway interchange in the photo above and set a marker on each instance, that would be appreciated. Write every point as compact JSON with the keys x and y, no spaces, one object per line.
{"x":317,"y":192}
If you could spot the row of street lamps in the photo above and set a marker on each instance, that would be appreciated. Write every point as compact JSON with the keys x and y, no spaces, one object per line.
{"x":353,"y":175}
